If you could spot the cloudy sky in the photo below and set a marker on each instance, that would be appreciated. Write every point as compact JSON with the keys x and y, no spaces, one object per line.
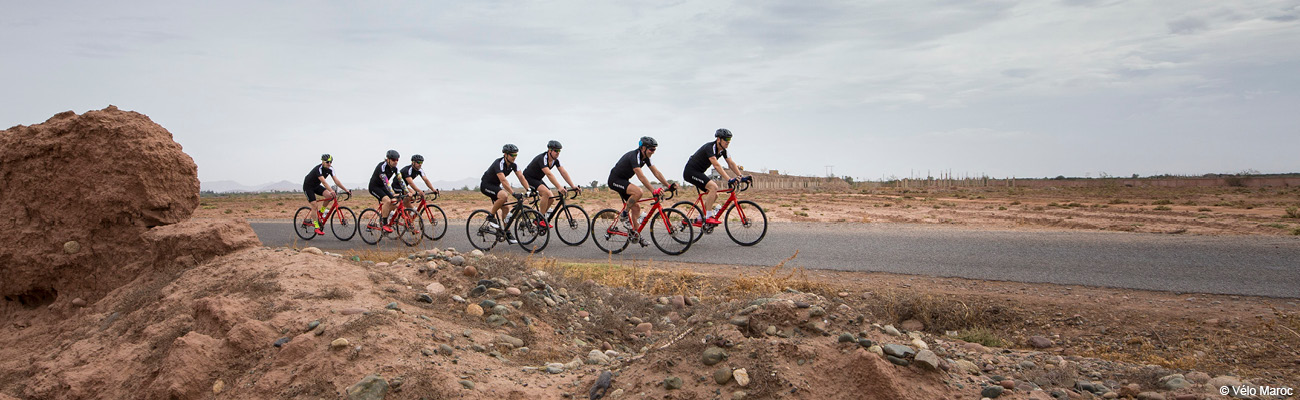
{"x":256,"y":90}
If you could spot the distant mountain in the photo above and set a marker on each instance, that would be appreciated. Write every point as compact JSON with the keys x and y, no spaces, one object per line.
{"x":223,"y":187}
{"x":456,"y":185}
{"x":281,"y":186}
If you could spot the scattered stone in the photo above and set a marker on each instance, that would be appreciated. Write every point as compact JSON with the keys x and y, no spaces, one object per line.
{"x":644,"y":327}
{"x":741,"y":321}
{"x":741,"y":376}
{"x":722,"y":376}
{"x":280,"y":342}
{"x":474,"y":310}
{"x":898,"y":361}
{"x":865,"y":343}
{"x":920,"y":344}
{"x":1224,"y":380}
{"x":1198,"y":377}
{"x":816,"y":311}
{"x":843,"y":294}
{"x":371,"y":387}
{"x":967,"y":367}
{"x":673,"y":383}
{"x":583,"y":314}
{"x":469,"y":271}
{"x":312,"y":325}
{"x":678,"y":301}
{"x":424,"y":298}
{"x":898,"y":350}
{"x":1039,"y":342}
{"x":501,"y":310}
{"x":928,"y":360}
{"x":992,"y":392}
{"x":309,"y":250}
{"x":511,"y":340}
{"x":458,"y":299}
{"x":714,"y":355}
{"x":1174,"y":382}
{"x":595,"y":357}
{"x":78,"y":302}
{"x":847,"y":338}
{"x":738,"y":395}
{"x":467,"y":384}
{"x":444,"y":349}
{"x":1028,"y":365}
{"x":352,"y":311}
{"x":877,"y":350}
{"x":339,"y":343}
{"x":912,"y":325}
{"x":496,"y":320}
{"x":513,"y":291}
{"x":892,"y":331}
{"x":554,"y":368}
{"x":771,"y":330}
{"x":691,"y":301}
{"x":435,"y":288}
{"x":1150,"y":396}
{"x":218,"y":386}
{"x":71,"y":247}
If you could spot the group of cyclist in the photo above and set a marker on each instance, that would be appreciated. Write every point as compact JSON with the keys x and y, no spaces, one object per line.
{"x":388,"y":183}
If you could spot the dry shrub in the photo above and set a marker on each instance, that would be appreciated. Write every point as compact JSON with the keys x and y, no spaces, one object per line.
{"x":645,"y":280}
{"x":937,"y":313}
{"x":1051,"y":377}
{"x":774,"y":280}
{"x":335,"y":293}
{"x":376,"y":255}
{"x":261,"y":286}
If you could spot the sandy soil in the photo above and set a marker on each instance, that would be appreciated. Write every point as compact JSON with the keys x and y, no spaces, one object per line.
{"x":1200,"y":211}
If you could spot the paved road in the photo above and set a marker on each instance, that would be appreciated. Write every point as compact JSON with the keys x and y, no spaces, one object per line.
{"x":1246,"y":265}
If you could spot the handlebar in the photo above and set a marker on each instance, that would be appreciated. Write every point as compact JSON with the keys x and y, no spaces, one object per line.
{"x":667,"y":194}
{"x":427,"y":194}
{"x":573,"y":193}
{"x":741,"y":185}
{"x":345,"y":195}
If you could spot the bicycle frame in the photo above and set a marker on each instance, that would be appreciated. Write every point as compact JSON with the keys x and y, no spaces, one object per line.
{"x":334,"y":207}
{"x":731,"y":201}
{"x":656,"y":208}
{"x":424,"y":202}
{"x":560,"y":202}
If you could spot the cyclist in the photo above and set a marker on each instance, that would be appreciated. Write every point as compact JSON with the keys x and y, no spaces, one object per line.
{"x":415,"y":170}
{"x":700,"y":162}
{"x":385,"y":188}
{"x":495,"y":186}
{"x":314,"y":185}
{"x":540,"y":168}
{"x":629,"y":165}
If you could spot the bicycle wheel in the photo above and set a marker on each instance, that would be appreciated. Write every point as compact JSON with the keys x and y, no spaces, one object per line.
{"x":435,"y":222}
{"x":673,"y":237}
{"x":369,"y":226}
{"x":571,"y":225}
{"x":344,"y":223}
{"x":302,"y":223}
{"x":746,"y":223}
{"x":693,"y":215}
{"x":410,"y":227}
{"x":532,"y":236}
{"x":608,"y":232}
{"x":480,"y":234}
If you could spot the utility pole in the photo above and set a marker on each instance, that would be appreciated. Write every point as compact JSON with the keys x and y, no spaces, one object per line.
{"x":830,"y":171}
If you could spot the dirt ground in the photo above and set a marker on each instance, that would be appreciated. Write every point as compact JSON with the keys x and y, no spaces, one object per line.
{"x":1198,"y":211}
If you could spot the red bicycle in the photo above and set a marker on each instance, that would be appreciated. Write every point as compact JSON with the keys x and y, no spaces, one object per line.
{"x":405,"y":223}
{"x":670,"y":230}
{"x":746,"y":226}
{"x":434,"y":222}
{"x":342,"y":220}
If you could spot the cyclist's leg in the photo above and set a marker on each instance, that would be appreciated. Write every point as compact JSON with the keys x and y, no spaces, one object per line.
{"x":311,"y":201}
{"x":633,"y":205}
{"x":501,"y":206}
{"x":545,"y":193}
{"x":710,"y":198}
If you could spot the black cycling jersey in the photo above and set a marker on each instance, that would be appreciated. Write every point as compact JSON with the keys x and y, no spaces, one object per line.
{"x":408,"y":172}
{"x":534,"y":169}
{"x":622,"y":171}
{"x":313,"y":178}
{"x":382,"y":179}
{"x":699,"y":162}
{"x":499,"y":166}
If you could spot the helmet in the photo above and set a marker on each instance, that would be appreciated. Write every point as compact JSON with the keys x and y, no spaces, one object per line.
{"x":647,"y":141}
{"x":554,"y":145}
{"x":509,"y":148}
{"x":326,"y":158}
{"x":417,"y":158}
{"x":392,"y":155}
{"x":723,"y":133}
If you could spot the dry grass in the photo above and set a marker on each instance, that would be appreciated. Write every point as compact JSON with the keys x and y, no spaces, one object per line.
{"x":377,"y":255}
{"x":643,"y":279}
{"x":775,"y":280}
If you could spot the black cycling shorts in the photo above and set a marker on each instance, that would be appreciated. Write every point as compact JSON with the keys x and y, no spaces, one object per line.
{"x":380,"y":194}
{"x":313,"y":192}
{"x":699,"y":179}
{"x":535,"y":183}
{"x":490,"y":191}
{"x":619,"y":187}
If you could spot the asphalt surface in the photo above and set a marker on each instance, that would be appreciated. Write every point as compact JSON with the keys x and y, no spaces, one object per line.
{"x":1244,"y":265}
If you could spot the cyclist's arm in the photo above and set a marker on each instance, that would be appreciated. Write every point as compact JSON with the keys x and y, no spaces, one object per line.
{"x":641,"y":176}
{"x":551,"y":176}
{"x":565,"y":174}
{"x":522,"y":182}
{"x":718,"y":167}
{"x":335,"y":177}
{"x":735,"y":166}
{"x":505,"y":184}
{"x":426,"y":182}
{"x":655,"y":170}
{"x":410,"y":184}
{"x":388,"y":185}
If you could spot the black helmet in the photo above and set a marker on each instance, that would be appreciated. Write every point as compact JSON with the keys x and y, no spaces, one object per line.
{"x":392,"y":155}
{"x":326,"y":158}
{"x":647,"y":141}
{"x":417,"y":158}
{"x":723,"y":133}
{"x":509,"y":148}
{"x":554,"y":145}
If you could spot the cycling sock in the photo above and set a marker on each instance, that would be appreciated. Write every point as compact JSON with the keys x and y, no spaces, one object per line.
{"x":383,"y":221}
{"x":316,"y":224}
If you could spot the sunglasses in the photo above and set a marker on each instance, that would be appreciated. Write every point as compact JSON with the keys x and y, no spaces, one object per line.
{"x":512,"y":154}
{"x":652,"y":149}
{"x":556,"y":150}
{"x":419,"y":162}
{"x":727,"y":139}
